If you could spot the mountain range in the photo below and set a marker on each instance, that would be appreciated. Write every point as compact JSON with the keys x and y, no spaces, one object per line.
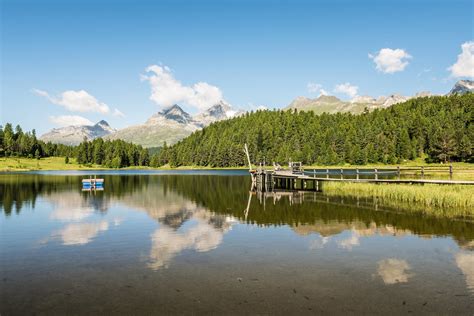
{"x":169,"y":125}
{"x":73,"y":135}
{"x":173,"y":124}
{"x":331,"y":104}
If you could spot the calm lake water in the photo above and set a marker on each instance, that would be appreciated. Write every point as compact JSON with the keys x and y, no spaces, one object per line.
{"x":199,"y":242}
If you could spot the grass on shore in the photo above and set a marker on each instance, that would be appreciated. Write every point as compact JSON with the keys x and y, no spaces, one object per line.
{"x":11,"y":164}
{"x":50,"y":163}
{"x":433,"y":199}
{"x":462,"y":171}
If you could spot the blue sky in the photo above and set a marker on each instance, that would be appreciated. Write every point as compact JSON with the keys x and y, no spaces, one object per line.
{"x":66,"y":59}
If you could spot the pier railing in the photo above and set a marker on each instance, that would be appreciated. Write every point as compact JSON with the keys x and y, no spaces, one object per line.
{"x":418,"y":172}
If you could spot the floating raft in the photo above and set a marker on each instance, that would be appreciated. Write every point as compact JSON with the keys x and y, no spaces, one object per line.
{"x":90,"y":183}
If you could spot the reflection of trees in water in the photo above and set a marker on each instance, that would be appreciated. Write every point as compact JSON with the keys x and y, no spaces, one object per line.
{"x":19,"y":190}
{"x":227,"y":195}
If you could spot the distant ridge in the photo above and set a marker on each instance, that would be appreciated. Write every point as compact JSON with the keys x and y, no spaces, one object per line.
{"x":74,"y":135}
{"x":331,"y":104}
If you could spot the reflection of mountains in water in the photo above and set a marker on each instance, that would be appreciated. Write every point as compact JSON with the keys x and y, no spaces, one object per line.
{"x":173,"y":200}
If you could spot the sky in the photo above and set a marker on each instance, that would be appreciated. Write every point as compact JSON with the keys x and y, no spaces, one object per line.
{"x":77,"y":62}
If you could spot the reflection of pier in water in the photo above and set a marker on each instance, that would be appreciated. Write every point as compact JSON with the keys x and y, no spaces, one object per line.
{"x":297,"y":178}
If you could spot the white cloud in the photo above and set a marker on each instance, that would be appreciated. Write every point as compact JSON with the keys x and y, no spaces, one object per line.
{"x":464,"y":66}
{"x":76,"y":101}
{"x":166,"y":90}
{"x":389,"y":60}
{"x":313,"y":87}
{"x":323,"y":92}
{"x":118,"y":113}
{"x":346,"y":88}
{"x":316,"y":88}
{"x":68,"y":120}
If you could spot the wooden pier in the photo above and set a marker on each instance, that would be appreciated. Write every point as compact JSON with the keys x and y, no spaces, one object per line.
{"x":296,"y":178}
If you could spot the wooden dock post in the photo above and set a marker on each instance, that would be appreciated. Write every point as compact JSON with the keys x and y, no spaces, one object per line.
{"x":342,"y":174}
{"x":376,"y":174}
{"x":327,"y":173}
{"x":422,"y":172}
{"x":357,"y":173}
{"x":398,"y":172}
{"x":450,"y":172}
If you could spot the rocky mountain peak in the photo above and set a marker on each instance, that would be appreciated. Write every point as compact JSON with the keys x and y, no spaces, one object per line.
{"x":327,"y":99}
{"x":173,"y":113}
{"x":219,"y":110}
{"x":102,"y":123}
{"x":462,"y":87}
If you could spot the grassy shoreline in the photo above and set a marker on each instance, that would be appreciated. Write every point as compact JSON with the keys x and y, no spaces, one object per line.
{"x":58,"y":163}
{"x":432,"y":199}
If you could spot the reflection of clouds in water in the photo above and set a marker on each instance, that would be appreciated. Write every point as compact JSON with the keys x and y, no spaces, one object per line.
{"x":465,"y":262}
{"x":350,"y":242}
{"x":393,"y":271}
{"x":67,"y":214}
{"x":337,"y":230}
{"x":118,"y":221}
{"x":319,"y":243}
{"x":81,"y":233}
{"x":72,"y":207}
{"x":205,"y":235}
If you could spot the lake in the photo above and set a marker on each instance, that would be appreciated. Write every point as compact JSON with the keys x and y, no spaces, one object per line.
{"x":184,"y":242}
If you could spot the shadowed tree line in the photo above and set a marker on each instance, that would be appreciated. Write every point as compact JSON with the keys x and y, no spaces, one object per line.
{"x":112,"y":154}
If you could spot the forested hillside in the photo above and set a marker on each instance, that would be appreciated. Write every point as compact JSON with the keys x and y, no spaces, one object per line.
{"x":439,"y":128}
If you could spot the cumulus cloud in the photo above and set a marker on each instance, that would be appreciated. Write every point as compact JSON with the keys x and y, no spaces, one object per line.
{"x":464,"y":66}
{"x":68,"y":120}
{"x":313,"y":87}
{"x":166,"y":90}
{"x":76,"y":101}
{"x":316,"y":88}
{"x":389,"y":60}
{"x":346,"y":88}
